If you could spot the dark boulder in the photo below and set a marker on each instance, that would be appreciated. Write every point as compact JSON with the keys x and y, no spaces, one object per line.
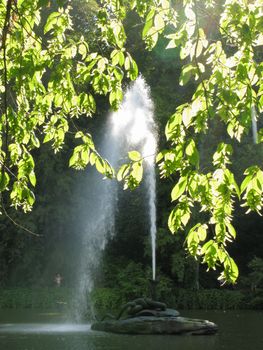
{"x":146,"y":316}
{"x":156,"y":325}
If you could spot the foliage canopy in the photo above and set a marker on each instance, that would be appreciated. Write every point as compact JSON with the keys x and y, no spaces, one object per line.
{"x":49,"y":77}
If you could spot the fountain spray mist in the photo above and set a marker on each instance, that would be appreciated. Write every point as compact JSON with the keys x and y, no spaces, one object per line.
{"x":97,"y":225}
{"x":132,"y":127}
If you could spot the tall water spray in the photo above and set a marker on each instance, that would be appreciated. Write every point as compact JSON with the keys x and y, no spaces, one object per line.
{"x":132,"y":127}
{"x":97,"y":224}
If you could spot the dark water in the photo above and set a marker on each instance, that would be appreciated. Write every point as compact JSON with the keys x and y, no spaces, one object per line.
{"x":23,"y":330}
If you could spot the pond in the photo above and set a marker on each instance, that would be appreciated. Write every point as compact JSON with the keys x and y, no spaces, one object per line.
{"x":32,"y":330}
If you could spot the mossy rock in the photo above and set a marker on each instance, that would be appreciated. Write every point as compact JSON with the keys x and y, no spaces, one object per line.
{"x":156,"y":325}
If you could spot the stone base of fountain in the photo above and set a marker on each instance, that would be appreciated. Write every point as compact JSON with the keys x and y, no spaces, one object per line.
{"x":155,"y":320}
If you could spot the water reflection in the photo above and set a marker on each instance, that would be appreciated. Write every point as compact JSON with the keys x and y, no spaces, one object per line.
{"x":31,"y":328}
{"x":238,"y":330}
{"x":102,"y":342}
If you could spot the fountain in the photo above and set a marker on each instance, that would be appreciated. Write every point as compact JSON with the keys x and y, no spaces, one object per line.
{"x":131,"y":127}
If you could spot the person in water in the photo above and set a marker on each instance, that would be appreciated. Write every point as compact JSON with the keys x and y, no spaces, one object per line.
{"x":58,"y":279}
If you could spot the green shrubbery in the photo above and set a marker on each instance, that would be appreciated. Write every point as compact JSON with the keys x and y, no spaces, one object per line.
{"x":106,"y":300}
{"x":110,"y":300}
{"x":208,"y":299}
{"x":38,"y":298}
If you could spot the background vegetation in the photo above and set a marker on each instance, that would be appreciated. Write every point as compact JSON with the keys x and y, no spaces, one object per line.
{"x":29,"y":263}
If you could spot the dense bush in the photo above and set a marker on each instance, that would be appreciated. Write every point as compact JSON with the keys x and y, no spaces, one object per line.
{"x":39,"y":298}
{"x":208,"y":299}
{"x":110,"y":300}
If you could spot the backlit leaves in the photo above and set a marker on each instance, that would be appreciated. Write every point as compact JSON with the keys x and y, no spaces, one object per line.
{"x":86,"y":153}
{"x":180,"y":215}
{"x":179,"y":188}
{"x":53,"y":77}
{"x":252,"y":189}
{"x":229,"y":87}
{"x":131,"y":173}
{"x":197,"y":234}
{"x":52,"y":21}
{"x":155,"y":21}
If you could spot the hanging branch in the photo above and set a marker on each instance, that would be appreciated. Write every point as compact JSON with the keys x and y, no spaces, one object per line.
{"x":7,"y":23}
{"x":206,"y":94}
{"x":16,"y":223}
{"x":5,"y":31}
{"x":3,"y":47}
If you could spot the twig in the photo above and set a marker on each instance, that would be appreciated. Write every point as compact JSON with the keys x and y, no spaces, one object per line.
{"x":37,"y":39}
{"x":8,"y":170}
{"x":16,"y":223}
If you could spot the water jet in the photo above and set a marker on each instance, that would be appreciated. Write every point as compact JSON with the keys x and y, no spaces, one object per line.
{"x":133,"y":127}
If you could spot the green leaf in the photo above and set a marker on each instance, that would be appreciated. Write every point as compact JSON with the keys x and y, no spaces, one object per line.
{"x":202,"y":232}
{"x":127,"y":63}
{"x":133,"y":71}
{"x":158,"y":22}
{"x":160,"y":156}
{"x":198,"y":48}
{"x":102,"y":64}
{"x":207,"y":246}
{"x":231,"y":230}
{"x":49,"y":136}
{"x":171,"y":220}
{"x":192,"y":242}
{"x":73,"y":159}
{"x":187,"y":116}
{"x":93,"y":158}
{"x":187,"y":72}
{"x":117,"y":57}
{"x":137,"y":171}
{"x":4,"y":181}
{"x":179,"y":216}
{"x":119,"y":76}
{"x":179,"y":188}
{"x":230,"y":273}
{"x":135,"y":156}
{"x":51,"y":21}
{"x":123,"y":171}
{"x":185,"y":218}
{"x":192,"y":153}
{"x":84,"y":155}
{"x":245,"y":183}
{"x":148,"y":23}
{"x":189,"y":13}
{"x":30,"y":197}
{"x":32,"y":178}
{"x":100,"y":166}
{"x":152,"y":38}
{"x":83,"y":50}
{"x":115,"y":98}
{"x":173,"y":126}
{"x":235,"y":271}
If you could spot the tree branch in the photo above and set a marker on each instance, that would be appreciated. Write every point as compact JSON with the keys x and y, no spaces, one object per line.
{"x":14,"y":222}
{"x":3,"y":47}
